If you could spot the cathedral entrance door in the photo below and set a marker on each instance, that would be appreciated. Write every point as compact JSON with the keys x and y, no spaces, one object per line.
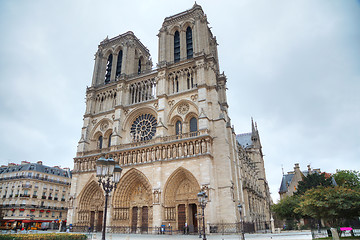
{"x":134,"y":219}
{"x":181,"y":217}
{"x":99,"y":221}
{"x":193,"y":224}
{"x":144,"y":219}
{"x":92,"y":220}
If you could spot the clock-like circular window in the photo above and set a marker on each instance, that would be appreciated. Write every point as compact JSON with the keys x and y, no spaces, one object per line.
{"x":143,"y":128}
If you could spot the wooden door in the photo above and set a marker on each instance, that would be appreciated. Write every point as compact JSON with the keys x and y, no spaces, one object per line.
{"x":144,"y":219}
{"x":92,"y":220}
{"x":134,"y":219}
{"x":194,"y":221}
{"x":99,"y":221}
{"x":181,"y":217}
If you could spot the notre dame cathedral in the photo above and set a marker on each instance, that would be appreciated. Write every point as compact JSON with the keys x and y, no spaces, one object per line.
{"x":169,"y":130}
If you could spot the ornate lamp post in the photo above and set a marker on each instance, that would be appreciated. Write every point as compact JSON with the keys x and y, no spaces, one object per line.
{"x":198,"y":217}
{"x":241,"y":221}
{"x":202,"y":198}
{"x":109,"y":176}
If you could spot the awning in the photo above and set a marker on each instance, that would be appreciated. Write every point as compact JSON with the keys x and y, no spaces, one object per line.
{"x":27,"y":221}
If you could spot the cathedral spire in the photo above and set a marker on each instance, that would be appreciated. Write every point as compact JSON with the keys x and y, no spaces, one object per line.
{"x":254,"y":132}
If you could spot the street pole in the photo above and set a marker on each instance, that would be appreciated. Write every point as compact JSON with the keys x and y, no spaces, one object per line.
{"x":203,"y":218}
{"x":104,"y":225}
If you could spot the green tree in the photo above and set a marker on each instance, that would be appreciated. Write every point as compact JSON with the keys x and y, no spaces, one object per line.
{"x":331,"y":203}
{"x":347,"y":178}
{"x":284,"y":209}
{"x":312,"y":181}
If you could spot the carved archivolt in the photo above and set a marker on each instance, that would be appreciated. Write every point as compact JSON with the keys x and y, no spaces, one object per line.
{"x":134,"y":189}
{"x":91,"y":199}
{"x":181,"y":186}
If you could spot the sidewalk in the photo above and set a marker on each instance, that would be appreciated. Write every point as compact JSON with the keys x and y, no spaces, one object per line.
{"x":280,"y":236}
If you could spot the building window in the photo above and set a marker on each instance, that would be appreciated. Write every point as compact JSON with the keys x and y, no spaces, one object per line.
{"x":176,"y":85}
{"x":108,"y":69}
{"x":143,"y":128}
{"x":100,"y":141}
{"x":178,"y":127}
{"x":119,"y":63}
{"x":109,"y":141}
{"x":189,"y":43}
{"x":193,"y":125}
{"x":139,"y":66}
{"x":176,"y":47}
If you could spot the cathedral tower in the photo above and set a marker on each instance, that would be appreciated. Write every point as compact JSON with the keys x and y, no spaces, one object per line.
{"x":167,"y":128}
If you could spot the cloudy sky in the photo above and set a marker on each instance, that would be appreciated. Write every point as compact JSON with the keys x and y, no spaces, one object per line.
{"x":294,"y":66}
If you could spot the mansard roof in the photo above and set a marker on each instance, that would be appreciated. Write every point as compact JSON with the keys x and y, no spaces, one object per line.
{"x":285,"y":182}
{"x":37,"y":168}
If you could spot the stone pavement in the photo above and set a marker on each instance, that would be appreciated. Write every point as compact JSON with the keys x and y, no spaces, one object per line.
{"x":280,"y":236}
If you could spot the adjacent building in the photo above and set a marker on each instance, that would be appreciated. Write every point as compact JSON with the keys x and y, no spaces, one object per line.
{"x":32,"y":194}
{"x":169,"y":129}
{"x":291,"y":180}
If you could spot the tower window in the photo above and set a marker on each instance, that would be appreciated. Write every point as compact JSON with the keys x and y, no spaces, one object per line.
{"x":100,"y":141}
{"x":139,"y":66}
{"x":176,"y":47}
{"x":119,"y":63}
{"x":108,"y":69}
{"x":178,"y":128}
{"x":189,"y":43}
{"x":109,"y":142}
{"x":193,"y":125}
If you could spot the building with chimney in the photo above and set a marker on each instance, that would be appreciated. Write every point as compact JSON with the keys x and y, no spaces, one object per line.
{"x":33,"y":195}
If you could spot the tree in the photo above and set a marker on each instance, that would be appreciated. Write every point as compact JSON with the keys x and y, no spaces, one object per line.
{"x":312,"y":181}
{"x":347,"y":178}
{"x":285,"y":208}
{"x":331,"y":203}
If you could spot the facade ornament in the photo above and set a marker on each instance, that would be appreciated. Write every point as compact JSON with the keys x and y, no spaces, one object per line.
{"x":104,"y":125}
{"x":183,"y":108}
{"x":194,"y":97}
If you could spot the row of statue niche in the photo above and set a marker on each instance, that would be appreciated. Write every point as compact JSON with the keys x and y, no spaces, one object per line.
{"x":122,"y":214}
{"x":151,"y":154}
{"x":165,"y":152}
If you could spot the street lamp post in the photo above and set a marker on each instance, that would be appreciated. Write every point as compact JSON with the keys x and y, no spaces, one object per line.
{"x":241,"y":222}
{"x":203,"y":198}
{"x":198,"y":217}
{"x":109,"y":175}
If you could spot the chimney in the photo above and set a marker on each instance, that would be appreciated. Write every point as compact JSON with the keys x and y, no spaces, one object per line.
{"x":24,"y":162}
{"x":3,"y":166}
{"x":309,"y":168}
{"x":39,"y":162}
{"x":296,"y":166}
{"x":12,"y":164}
{"x":57,"y":167}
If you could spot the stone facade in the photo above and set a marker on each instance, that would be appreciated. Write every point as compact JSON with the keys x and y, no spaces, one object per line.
{"x":169,"y":130}
{"x":33,"y":193}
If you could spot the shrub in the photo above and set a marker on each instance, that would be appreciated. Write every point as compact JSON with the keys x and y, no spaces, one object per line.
{"x":45,"y":236}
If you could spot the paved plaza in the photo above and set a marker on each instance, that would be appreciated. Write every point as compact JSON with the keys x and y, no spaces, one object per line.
{"x":281,"y":236}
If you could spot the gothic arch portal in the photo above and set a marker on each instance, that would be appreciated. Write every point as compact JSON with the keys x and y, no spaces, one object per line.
{"x":91,"y":205}
{"x":180,"y":199}
{"x":132,"y":201}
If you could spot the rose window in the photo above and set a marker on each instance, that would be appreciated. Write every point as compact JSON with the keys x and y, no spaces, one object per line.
{"x":143,"y":128}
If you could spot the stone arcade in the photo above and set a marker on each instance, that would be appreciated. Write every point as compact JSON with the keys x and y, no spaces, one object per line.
{"x":170,"y":131}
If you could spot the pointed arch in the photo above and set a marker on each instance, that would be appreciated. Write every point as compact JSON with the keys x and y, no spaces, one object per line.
{"x":181,"y":186}
{"x":91,"y":197}
{"x":134,"y":188}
